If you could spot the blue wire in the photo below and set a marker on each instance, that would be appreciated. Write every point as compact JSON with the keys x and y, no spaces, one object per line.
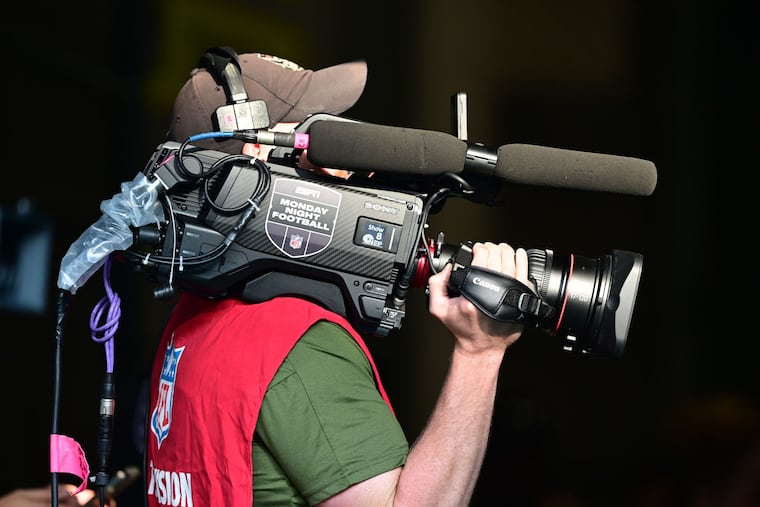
{"x":210,"y":135}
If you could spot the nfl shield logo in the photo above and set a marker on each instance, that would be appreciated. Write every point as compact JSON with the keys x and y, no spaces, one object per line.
{"x":161,"y":419}
{"x":295,"y":241}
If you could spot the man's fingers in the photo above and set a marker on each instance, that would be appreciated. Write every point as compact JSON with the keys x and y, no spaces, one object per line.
{"x":507,"y":260}
{"x":521,"y":266}
{"x":495,"y":257}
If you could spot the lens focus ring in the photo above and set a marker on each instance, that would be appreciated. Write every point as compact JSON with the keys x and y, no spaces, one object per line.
{"x":539,"y":269}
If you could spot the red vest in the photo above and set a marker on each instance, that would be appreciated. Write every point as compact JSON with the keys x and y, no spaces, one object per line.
{"x":206,"y":391}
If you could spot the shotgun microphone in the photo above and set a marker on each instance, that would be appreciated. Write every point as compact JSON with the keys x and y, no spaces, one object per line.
{"x":371,"y":147}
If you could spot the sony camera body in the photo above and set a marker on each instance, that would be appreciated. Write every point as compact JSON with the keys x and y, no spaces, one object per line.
{"x":343,"y":246}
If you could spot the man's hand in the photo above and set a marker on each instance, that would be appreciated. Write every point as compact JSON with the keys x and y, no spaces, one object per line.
{"x":474,"y":331}
{"x":42,"y":497}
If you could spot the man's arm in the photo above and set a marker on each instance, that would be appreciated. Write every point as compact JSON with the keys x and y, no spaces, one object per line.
{"x":444,"y":464}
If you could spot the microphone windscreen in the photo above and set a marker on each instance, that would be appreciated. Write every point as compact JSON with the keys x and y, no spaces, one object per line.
{"x":370,"y":147}
{"x":554,"y":167}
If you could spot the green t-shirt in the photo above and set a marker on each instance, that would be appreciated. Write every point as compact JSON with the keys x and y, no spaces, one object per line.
{"x":323,"y":425}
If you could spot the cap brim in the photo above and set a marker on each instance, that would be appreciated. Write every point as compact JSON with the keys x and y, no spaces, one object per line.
{"x":331,"y":90}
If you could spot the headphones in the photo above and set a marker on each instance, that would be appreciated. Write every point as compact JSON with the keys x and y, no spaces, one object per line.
{"x":239,"y":113}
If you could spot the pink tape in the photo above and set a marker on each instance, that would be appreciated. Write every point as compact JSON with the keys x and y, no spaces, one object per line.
{"x":302,"y":141}
{"x":67,"y":456}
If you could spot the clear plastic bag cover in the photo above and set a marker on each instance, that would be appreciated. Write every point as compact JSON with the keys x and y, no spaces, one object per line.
{"x":136,"y":205}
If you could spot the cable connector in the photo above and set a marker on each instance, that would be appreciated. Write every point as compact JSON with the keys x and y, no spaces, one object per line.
{"x":287,"y":140}
{"x":105,"y":429}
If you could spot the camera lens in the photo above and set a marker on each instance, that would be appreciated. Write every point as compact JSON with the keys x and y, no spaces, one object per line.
{"x":593,"y":298}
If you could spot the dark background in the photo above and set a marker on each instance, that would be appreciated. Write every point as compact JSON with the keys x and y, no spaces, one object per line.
{"x":88,"y":88}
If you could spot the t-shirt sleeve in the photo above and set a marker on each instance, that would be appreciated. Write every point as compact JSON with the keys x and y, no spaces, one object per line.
{"x":323,"y":425}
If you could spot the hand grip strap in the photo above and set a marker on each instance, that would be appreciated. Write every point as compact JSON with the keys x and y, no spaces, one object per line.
{"x":499,"y":296}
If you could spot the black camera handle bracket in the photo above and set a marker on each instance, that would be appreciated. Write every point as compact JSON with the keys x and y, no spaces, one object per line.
{"x":499,"y":296}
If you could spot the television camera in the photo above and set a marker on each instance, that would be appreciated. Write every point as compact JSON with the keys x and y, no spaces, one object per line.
{"x":235,"y":225}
